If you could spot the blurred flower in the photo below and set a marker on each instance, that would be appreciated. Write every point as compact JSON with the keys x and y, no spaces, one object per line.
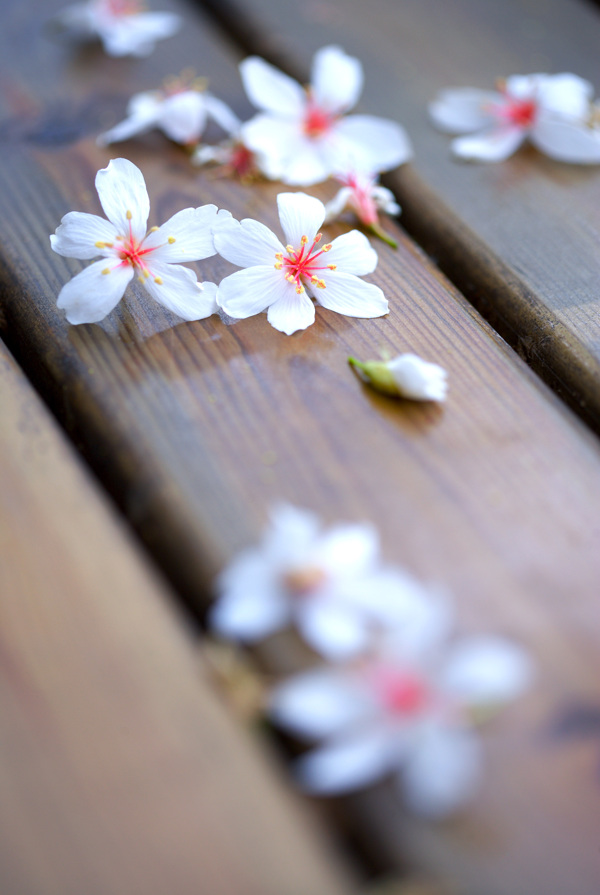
{"x":331,"y":584}
{"x":405,"y":709}
{"x":304,"y":136}
{"x":551,"y":110}
{"x":180,"y":109}
{"x":363,"y":195}
{"x":232,"y":155}
{"x":126,"y":249}
{"x":123,"y":26}
{"x":282,"y":279}
{"x":406,"y":376}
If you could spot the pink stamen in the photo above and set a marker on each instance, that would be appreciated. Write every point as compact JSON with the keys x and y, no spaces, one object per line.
{"x":302,"y":263}
{"x":402,"y":693}
{"x":317,"y":121}
{"x":518,"y":112}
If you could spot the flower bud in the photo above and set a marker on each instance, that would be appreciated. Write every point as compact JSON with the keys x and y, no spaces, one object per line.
{"x":406,"y":376}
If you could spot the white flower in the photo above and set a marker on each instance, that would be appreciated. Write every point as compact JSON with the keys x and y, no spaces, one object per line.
{"x":329,"y":583}
{"x":407,"y":709}
{"x":123,"y":26}
{"x":362,"y":194}
{"x":126,"y":249}
{"x":281,"y":279}
{"x":232,"y":155}
{"x":552,"y":111}
{"x":303,"y":137}
{"x":406,"y":376}
{"x":181,"y":110}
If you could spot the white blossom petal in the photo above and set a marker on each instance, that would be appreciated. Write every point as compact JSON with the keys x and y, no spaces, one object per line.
{"x":275,"y":137}
{"x":246,"y":243}
{"x":463,"y":110}
{"x":348,"y":550}
{"x":300,"y":215}
{"x":441,"y":770}
{"x":353,"y":254}
{"x":177,"y":289}
{"x":291,"y":312}
{"x":368,"y":143}
{"x":223,"y":115}
{"x":385,"y":200}
{"x":335,"y":206}
{"x":565,"y":141}
{"x":251,"y":606}
{"x":92,"y":294}
{"x":183,"y":116}
{"x":417,"y":379}
{"x":309,"y":163}
{"x":563,"y":94}
{"x":348,"y":295}
{"x":317,"y":704}
{"x":144,"y":116}
{"x":494,"y":145}
{"x":187,"y":236}
{"x":292,"y":533}
{"x":122,"y":189}
{"x":337,"y":79}
{"x":486,"y":671}
{"x":269,"y":89}
{"x":137,"y":34}
{"x":248,"y":292}
{"x":78,"y":233}
{"x":334,"y":630}
{"x":346,"y":763}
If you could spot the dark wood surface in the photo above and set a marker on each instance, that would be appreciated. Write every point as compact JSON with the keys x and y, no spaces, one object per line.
{"x":120,"y":770}
{"x":197,"y":428}
{"x":520,"y":238}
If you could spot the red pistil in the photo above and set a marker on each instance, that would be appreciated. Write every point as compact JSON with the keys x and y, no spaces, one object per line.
{"x":402,"y":693}
{"x":317,"y":121}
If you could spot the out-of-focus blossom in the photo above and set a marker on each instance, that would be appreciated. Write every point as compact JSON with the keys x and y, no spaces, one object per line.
{"x":304,"y":136}
{"x":125,"y":27}
{"x":283,"y":279}
{"x":407,"y":709}
{"x":364,"y":195}
{"x":329,"y":583}
{"x":231,"y":155}
{"x":406,"y":376}
{"x":126,"y":249}
{"x":552,"y":111}
{"x":180,"y":109}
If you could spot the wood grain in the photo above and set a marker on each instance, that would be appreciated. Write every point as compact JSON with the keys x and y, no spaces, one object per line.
{"x":521,"y":238}
{"x":197,"y":428}
{"x":119,"y":769}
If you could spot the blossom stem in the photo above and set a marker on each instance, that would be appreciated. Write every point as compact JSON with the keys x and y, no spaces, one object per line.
{"x":378,"y":231}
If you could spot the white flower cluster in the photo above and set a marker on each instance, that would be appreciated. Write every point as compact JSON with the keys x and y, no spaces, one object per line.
{"x":397,"y":695}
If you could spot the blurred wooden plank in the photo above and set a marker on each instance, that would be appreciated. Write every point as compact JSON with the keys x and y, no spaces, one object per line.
{"x":197,"y":428}
{"x":119,"y":770}
{"x":520,"y":239}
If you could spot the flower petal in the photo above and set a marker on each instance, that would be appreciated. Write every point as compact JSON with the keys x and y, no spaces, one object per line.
{"x":353,"y":254}
{"x":137,"y":34}
{"x":291,"y":311}
{"x":348,"y":295}
{"x":463,"y":110}
{"x":486,"y":670}
{"x":248,"y":292}
{"x":317,"y":704}
{"x":92,"y":294}
{"x":333,"y":629}
{"x":347,"y":763}
{"x":300,"y":215}
{"x":441,"y":770}
{"x":251,"y":606}
{"x":78,"y":233}
{"x":337,"y":79}
{"x":348,"y":550}
{"x":368,"y":143}
{"x":567,"y":142}
{"x":183,"y":116}
{"x":246,"y":243}
{"x":493,"y":145}
{"x":271,"y":90}
{"x":563,"y":94}
{"x":291,"y":534}
{"x":222,"y":114}
{"x":143,"y":113}
{"x":187,"y":236}
{"x":179,"y":291}
{"x":122,"y":190}
{"x":417,"y":379}
{"x":335,"y":206}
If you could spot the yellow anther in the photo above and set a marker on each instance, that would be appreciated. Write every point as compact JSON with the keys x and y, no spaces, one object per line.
{"x":321,"y":284}
{"x":141,"y":279}
{"x":158,"y":281}
{"x":128,"y":215}
{"x":289,"y":249}
{"x":304,"y":240}
{"x":171,"y":240}
{"x":332,"y":266}
{"x":299,"y":289}
{"x":279,"y":256}
{"x":278,"y":265}
{"x":314,"y":280}
{"x":120,"y":238}
{"x":146,"y":274}
{"x":326,"y":248}
{"x":318,"y":237}
{"x":106,"y":270}
{"x":290,"y":278}
{"x":99,"y":244}
{"x":154,"y":229}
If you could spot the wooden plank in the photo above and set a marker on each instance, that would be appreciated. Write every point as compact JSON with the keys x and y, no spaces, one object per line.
{"x":119,"y":769}
{"x":520,"y":238}
{"x":198,"y":427}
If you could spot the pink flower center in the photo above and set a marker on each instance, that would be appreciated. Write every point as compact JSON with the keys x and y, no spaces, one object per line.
{"x":303,"y":263}
{"x":124,"y":7}
{"x":517,"y":112}
{"x":131,"y":252}
{"x":361,"y":200}
{"x":317,"y":121}
{"x":402,"y":693}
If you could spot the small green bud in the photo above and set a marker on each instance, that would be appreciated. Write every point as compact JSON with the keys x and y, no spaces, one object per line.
{"x":377,"y":374}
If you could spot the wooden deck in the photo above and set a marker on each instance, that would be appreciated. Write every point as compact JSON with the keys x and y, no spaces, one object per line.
{"x":121,"y":770}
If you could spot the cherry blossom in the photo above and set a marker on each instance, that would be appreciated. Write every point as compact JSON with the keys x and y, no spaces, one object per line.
{"x":405,"y":376}
{"x":283,"y":279}
{"x":305,"y":136}
{"x":363,"y":194}
{"x":180,"y":109}
{"x":124,"y":26}
{"x":407,"y":709}
{"x":231,"y":155}
{"x":552,"y":111}
{"x":126,"y":249}
{"x":330,"y":583}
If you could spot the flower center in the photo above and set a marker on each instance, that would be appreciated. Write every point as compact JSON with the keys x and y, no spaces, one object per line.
{"x":518,"y":112}
{"x":317,"y":121}
{"x":187,"y":80}
{"x":124,"y":7}
{"x":132,"y":252}
{"x":402,"y":693}
{"x":303,"y":263}
{"x":361,"y":200}
{"x":304,"y":581}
